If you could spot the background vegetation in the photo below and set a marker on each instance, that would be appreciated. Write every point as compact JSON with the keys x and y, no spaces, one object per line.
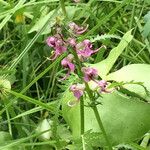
{"x":32,"y":113}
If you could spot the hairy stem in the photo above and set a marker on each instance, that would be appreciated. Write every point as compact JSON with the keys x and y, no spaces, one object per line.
{"x":82,"y":115}
{"x":96,"y":113}
{"x":81,"y":99}
{"x":94,"y":107}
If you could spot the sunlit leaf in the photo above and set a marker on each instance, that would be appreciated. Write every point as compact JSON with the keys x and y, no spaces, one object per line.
{"x":134,"y":72}
{"x":125,"y":119}
{"x":104,"y":66}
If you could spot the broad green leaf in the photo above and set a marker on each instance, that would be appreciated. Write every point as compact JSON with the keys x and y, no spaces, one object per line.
{"x":71,"y":114}
{"x":134,"y":72}
{"x":104,"y":66}
{"x":125,"y":119}
{"x":44,"y":125}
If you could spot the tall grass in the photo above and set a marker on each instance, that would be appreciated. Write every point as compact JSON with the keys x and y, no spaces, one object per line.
{"x":35,"y":90}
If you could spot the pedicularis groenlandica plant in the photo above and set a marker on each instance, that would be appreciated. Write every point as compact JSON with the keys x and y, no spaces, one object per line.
{"x":77,"y":54}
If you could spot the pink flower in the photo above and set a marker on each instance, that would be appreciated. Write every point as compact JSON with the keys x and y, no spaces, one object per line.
{"x":84,"y":49}
{"x":58,"y":46}
{"x":51,"y":41}
{"x":72,"y":42}
{"x":77,"y":29}
{"x":78,"y":90}
{"x":67,"y":63}
{"x":103,"y":86}
{"x":89,"y":73}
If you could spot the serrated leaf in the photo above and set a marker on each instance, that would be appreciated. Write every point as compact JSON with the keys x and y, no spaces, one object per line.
{"x":134,"y":72}
{"x":103,"y":37}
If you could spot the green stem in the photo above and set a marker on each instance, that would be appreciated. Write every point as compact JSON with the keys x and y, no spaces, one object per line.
{"x":101,"y":126}
{"x":62,"y":4}
{"x":94,"y":107}
{"x":81,"y":99}
{"x":96,"y":113}
{"x":82,"y":115}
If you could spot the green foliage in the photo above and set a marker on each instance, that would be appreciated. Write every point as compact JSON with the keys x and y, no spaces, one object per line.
{"x":24,"y":26}
{"x":103,"y":37}
{"x":136,"y":73}
{"x":105,"y":66}
{"x":119,"y":116}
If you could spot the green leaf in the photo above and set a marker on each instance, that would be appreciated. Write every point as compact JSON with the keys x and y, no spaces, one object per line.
{"x":44,"y":125}
{"x":134,"y":72}
{"x":72,"y":120}
{"x":104,"y":66}
{"x":103,"y":37}
{"x":125,"y":119}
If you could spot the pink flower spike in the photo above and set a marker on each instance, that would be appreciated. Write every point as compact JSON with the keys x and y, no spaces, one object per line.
{"x":77,"y":29}
{"x":67,"y":63}
{"x":78,"y":90}
{"x":89,"y":73}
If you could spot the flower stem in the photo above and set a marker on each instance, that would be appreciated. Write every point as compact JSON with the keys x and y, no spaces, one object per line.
{"x":62,"y":4}
{"x":82,"y":115}
{"x":81,"y":99}
{"x":98,"y":118}
{"x":101,"y":126}
{"x":94,"y":107}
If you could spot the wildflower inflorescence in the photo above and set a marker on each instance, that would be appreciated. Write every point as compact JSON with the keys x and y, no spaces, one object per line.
{"x":83,"y":50}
